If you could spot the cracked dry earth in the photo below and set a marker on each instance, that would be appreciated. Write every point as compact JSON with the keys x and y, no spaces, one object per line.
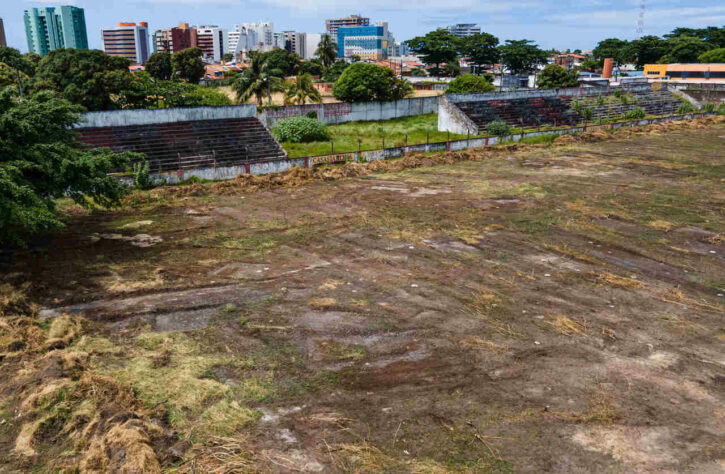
{"x":556,"y":310}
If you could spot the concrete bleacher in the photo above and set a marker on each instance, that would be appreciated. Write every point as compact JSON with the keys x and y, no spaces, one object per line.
{"x":471,"y":113}
{"x":190,"y":144}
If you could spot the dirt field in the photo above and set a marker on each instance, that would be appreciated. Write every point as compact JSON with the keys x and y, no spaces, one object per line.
{"x":551,"y":309}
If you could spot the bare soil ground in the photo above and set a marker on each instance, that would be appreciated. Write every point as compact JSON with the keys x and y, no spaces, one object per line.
{"x":556,"y":309}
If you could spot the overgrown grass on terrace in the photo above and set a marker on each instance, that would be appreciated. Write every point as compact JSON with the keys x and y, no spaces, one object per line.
{"x":345,"y":136}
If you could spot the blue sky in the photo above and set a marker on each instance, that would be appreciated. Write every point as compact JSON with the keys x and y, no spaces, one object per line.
{"x":552,"y":24}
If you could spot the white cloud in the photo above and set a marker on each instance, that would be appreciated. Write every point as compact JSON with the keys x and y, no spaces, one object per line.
{"x":619,"y":17}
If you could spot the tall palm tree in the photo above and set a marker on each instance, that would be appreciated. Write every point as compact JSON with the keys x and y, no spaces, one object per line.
{"x":257,"y":80}
{"x":302,"y":90}
{"x":326,"y":51}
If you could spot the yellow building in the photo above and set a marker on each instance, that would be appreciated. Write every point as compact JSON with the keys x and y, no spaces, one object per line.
{"x":686,"y":72}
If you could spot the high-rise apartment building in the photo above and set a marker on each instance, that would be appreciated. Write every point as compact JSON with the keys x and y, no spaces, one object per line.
{"x":173,"y":40}
{"x":127,"y":40}
{"x":312,"y":41}
{"x":53,"y":28}
{"x":241,"y":40}
{"x":264,"y":32}
{"x":211,"y":40}
{"x":295,"y":42}
{"x":464,"y":29}
{"x":332,"y":25}
{"x":3,"y":41}
{"x":367,"y":42}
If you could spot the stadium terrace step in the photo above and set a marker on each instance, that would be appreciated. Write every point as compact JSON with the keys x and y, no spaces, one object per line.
{"x":540,"y":111}
{"x":184,"y":145}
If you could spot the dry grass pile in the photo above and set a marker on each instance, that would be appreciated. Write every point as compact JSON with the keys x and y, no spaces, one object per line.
{"x":66,"y":417}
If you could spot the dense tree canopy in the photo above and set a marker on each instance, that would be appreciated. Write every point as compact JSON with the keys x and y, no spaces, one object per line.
{"x":684,"y":49}
{"x":646,"y":50}
{"x":334,"y":72}
{"x":556,"y":77}
{"x":87,"y":77}
{"x":41,"y":161}
{"x":187,"y":65}
{"x":436,"y":47}
{"x":282,"y":62}
{"x":159,"y":65}
{"x":713,"y":56}
{"x":481,"y":49}
{"x":362,"y":82}
{"x":522,"y":56}
{"x":468,"y":83}
{"x":614,"y":48}
{"x":684,"y":45}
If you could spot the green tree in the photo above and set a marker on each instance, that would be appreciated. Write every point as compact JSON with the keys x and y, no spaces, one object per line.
{"x":257,"y":81}
{"x":450,"y":70}
{"x":713,"y":56}
{"x":614,"y":48}
{"x":87,"y":77}
{"x":481,"y":50}
{"x":713,"y":35}
{"x":159,"y":65}
{"x":40,"y":161}
{"x":436,"y":47}
{"x":362,"y":82}
{"x":326,"y":51}
{"x":684,"y":49}
{"x":590,"y":65}
{"x":228,"y":57}
{"x":646,"y":50}
{"x":9,"y":76}
{"x":13,"y":58}
{"x":187,"y":64}
{"x":282,"y":62}
{"x":334,"y":72}
{"x":302,"y":90}
{"x":556,"y":77}
{"x":468,"y":83}
{"x":522,"y":56}
{"x":313,"y":67}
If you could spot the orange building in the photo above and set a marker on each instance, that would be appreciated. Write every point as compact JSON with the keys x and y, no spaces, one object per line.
{"x":686,"y":72}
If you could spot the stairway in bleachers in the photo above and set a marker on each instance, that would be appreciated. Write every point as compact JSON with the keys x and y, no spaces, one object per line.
{"x":187,"y":145}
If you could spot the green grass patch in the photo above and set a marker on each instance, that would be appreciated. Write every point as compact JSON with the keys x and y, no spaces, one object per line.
{"x":345,"y":136}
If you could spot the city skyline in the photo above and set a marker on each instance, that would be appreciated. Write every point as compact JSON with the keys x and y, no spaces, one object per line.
{"x":568,"y":24}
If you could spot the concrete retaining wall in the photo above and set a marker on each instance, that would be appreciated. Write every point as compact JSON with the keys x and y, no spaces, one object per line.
{"x":343,"y":112}
{"x":122,"y":118}
{"x":452,"y":119}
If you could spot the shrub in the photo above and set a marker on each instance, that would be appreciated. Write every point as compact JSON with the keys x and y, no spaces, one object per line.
{"x":707,"y":108}
{"x":141,"y":175}
{"x":685,"y":108}
{"x":635,"y":114}
{"x":311,"y":114}
{"x":468,"y":83}
{"x":300,"y":130}
{"x":498,"y":128}
{"x":600,"y":100}
{"x":577,"y":106}
{"x":721,"y":109}
{"x":587,"y":113}
{"x":556,"y":77}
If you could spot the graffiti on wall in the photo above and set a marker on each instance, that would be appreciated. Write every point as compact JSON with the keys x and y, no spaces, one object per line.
{"x":332,"y":159}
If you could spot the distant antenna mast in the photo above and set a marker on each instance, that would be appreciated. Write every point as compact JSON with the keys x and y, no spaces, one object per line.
{"x":640,"y":20}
